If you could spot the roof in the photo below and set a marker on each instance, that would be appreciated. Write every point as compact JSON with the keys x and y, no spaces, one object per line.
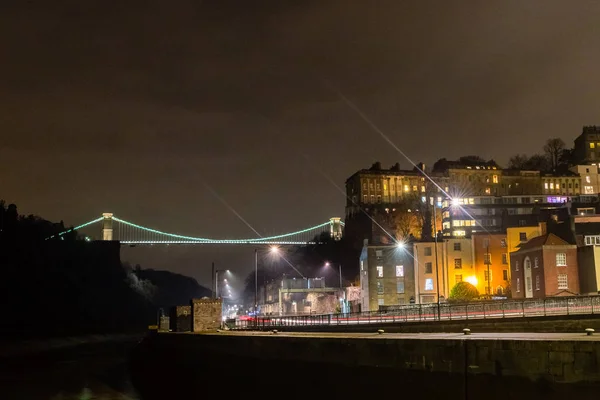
{"x":548,"y":239}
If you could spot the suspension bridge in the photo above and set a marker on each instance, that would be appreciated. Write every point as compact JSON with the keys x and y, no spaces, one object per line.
{"x":126,"y":232}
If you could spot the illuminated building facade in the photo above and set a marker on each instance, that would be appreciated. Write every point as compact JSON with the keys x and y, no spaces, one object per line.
{"x":387,"y":276}
{"x":544,"y":266}
{"x":491,"y":260}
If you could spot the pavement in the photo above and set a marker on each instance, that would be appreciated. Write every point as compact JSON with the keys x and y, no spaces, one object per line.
{"x":535,"y":336}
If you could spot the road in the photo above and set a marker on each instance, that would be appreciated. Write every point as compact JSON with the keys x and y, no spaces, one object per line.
{"x":419,"y":314}
{"x":96,"y":370}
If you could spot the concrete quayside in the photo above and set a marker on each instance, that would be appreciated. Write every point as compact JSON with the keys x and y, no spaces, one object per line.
{"x":476,"y":365}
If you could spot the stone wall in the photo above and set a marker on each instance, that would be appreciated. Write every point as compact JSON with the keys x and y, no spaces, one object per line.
{"x":564,"y":361}
{"x":181,"y":319}
{"x":207,"y":314}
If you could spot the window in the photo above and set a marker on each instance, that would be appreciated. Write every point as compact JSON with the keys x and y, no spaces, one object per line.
{"x":428,"y":268}
{"x":527,"y":263}
{"x":428,"y":251}
{"x":487,"y":259}
{"x":362,"y":265}
{"x":536,"y":262}
{"x":523,"y":236}
{"x":379,"y":287}
{"x":380,"y":271}
{"x":380,"y":302}
{"x":486,"y":243}
{"x":592,"y":240}
{"x":505,"y":274}
{"x":503,"y":243}
{"x":528,"y":283}
{"x":485,"y":275}
{"x":456,"y":246}
{"x":537,"y":282}
{"x":562,"y":281}
{"x":516,"y":265}
{"x":406,"y":188}
{"x":458,"y":263}
{"x":429,"y":284}
{"x":561,"y":259}
{"x":365,"y":198}
{"x":379,"y":253}
{"x":399,"y":270}
{"x":592,"y":145}
{"x":457,"y":278}
{"x":495,"y":178}
{"x":504,"y":258}
{"x":400,"y":287}
{"x":518,"y":285}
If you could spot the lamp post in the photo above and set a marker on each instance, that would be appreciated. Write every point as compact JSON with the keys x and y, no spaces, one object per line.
{"x":437,"y":275}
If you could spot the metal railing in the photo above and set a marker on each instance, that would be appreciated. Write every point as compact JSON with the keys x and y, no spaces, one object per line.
{"x":436,"y":312}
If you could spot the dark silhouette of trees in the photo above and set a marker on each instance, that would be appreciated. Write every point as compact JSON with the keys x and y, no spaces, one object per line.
{"x":553,"y":149}
{"x":556,"y":158}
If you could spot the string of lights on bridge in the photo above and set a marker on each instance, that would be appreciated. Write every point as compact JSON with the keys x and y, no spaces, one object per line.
{"x":134,"y":234}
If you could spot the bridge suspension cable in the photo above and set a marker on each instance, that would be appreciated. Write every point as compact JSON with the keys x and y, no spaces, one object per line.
{"x":131,"y":233}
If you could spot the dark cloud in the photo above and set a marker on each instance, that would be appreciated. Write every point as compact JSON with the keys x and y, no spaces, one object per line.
{"x":133,"y":106}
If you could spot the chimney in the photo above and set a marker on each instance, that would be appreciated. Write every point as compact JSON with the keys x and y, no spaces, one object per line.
{"x":543,"y":228}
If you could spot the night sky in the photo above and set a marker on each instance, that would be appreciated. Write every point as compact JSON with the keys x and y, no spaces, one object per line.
{"x":135,"y":107}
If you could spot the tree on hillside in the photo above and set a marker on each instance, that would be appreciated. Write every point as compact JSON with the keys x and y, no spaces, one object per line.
{"x":518,"y":161}
{"x":536,"y":162}
{"x":553,"y":149}
{"x":463,"y":291}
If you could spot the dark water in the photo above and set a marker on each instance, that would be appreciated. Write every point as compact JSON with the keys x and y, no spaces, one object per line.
{"x":128,"y":371}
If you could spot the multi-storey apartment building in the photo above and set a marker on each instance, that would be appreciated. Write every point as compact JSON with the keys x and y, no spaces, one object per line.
{"x":587,"y":146}
{"x":387,"y":276}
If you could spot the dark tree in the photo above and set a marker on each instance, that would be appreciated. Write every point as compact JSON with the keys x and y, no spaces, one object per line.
{"x":553,"y":150}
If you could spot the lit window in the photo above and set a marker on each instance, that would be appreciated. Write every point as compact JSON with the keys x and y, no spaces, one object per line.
{"x":362,"y":265}
{"x":562,"y":281}
{"x":385,"y":186}
{"x":518,"y":285}
{"x":551,"y":185}
{"x":546,"y":185}
{"x":561,"y":259}
{"x":399,"y":270}
{"x":380,"y":302}
{"x":459,"y":233}
{"x":406,"y":188}
{"x":495,"y":179}
{"x":379,"y":287}
{"x":458,"y":263}
{"x":414,"y":188}
{"x":429,"y":284}
{"x":592,"y":145}
{"x":380,"y":271}
{"x":423,"y":189}
{"x":587,"y":179}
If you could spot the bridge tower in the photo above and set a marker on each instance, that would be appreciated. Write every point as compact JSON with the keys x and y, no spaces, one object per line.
{"x":107,"y":226}
{"x":335,"y":228}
